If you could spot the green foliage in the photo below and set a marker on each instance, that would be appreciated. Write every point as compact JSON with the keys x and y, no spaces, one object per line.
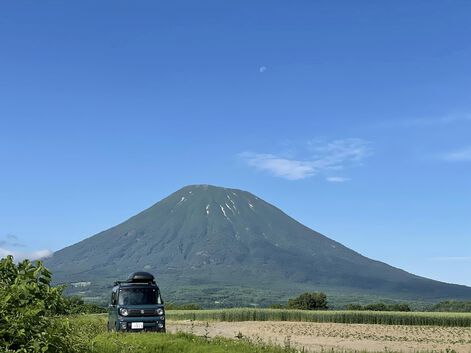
{"x":31,"y":312}
{"x":346,"y":317}
{"x":453,"y":306}
{"x":309,"y":301}
{"x":380,"y":307}
{"x":28,"y":305}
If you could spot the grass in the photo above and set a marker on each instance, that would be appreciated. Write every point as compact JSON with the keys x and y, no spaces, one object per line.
{"x":347,"y":317}
{"x":177,"y":343}
{"x":92,"y":337}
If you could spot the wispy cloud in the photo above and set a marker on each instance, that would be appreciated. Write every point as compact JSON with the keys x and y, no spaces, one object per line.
{"x":337,"y":179}
{"x":324,"y":158}
{"x":262,"y":69}
{"x":9,"y":245}
{"x":286,"y":168}
{"x":462,"y":155}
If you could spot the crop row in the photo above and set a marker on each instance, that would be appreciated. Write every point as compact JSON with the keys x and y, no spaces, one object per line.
{"x":347,"y":317}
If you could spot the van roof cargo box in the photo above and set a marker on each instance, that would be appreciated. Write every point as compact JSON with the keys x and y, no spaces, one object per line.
{"x":140,"y":277}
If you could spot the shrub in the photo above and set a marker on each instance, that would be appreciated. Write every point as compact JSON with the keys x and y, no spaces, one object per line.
{"x":309,"y":301}
{"x":28,"y":305}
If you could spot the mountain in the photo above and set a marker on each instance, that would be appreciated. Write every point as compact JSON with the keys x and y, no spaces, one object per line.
{"x":226,"y":246}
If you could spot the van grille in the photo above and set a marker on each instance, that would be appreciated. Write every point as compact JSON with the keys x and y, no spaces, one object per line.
{"x":142,"y":312}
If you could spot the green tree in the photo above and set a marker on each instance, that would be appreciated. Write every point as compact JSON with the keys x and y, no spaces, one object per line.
{"x":309,"y":301}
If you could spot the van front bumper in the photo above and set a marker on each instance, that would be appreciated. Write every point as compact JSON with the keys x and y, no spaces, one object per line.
{"x":155,"y":324}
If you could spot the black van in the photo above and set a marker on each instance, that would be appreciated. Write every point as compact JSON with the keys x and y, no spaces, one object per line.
{"x":136,"y":305}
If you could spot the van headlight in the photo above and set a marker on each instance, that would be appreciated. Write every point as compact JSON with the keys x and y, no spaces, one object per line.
{"x":159,"y":312}
{"x":123,"y":312}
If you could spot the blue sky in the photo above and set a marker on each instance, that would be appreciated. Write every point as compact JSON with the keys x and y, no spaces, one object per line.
{"x":354,"y":117}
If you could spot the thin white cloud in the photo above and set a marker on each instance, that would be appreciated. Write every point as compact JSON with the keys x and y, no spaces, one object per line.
{"x":463,"y":155}
{"x":281,"y":167}
{"x":337,"y":179}
{"x":262,"y":69}
{"x":333,"y":156}
{"x":32,"y":255}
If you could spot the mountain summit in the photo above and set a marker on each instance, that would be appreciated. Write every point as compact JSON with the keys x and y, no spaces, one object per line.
{"x":203,"y":240}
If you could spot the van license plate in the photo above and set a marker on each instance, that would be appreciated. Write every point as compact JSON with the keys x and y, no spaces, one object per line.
{"x":137,"y":325}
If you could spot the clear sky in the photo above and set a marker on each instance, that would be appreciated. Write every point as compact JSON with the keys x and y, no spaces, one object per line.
{"x":354,"y":117}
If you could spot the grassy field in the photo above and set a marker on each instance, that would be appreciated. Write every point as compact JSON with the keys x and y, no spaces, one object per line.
{"x":347,"y":317}
{"x":94,"y":339}
{"x":177,"y":343}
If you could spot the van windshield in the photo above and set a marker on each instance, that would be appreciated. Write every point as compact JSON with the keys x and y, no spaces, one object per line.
{"x":138,"y":296}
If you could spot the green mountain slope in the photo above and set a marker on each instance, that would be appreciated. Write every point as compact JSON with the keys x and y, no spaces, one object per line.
{"x":206,"y":243}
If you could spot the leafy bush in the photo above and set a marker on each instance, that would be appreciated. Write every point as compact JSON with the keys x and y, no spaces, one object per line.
{"x":28,"y":306}
{"x":309,"y":301}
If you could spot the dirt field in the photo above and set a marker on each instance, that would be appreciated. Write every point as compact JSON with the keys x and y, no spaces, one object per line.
{"x":345,"y":337}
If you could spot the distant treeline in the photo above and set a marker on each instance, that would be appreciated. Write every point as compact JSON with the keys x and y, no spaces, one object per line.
{"x":380,"y":307}
{"x":190,"y":306}
{"x":453,"y":306}
{"x":318,"y":301}
{"x":445,"y":306}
